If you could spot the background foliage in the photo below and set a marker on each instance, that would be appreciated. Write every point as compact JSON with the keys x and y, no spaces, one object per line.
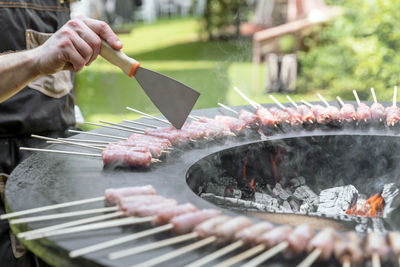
{"x":359,"y":50}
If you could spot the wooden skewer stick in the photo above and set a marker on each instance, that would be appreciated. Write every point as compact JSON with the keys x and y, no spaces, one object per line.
{"x":93,"y":226}
{"x":69,"y":224}
{"x":177,"y":252}
{"x":51,"y":207}
{"x":277,"y":102}
{"x":97,"y":134}
{"x":242,"y":256}
{"x":58,"y":142}
{"x":340,"y":100}
{"x":113,"y":127}
{"x":394,"y":96}
{"x":346,"y":262}
{"x":217,"y":254}
{"x":356,"y":96}
{"x":148,"y":115}
{"x":374,"y":96}
{"x":195,"y":118}
{"x":62,"y":215}
{"x":120,"y":240}
{"x":151,"y":246}
{"x":307,"y":103}
{"x":63,"y":141}
{"x":251,"y":102}
{"x":71,"y":153}
{"x":376,"y":262}
{"x":311,"y":258}
{"x":59,"y":151}
{"x":141,"y":123}
{"x":323,"y":100}
{"x":123,"y":126}
{"x":228,"y":108}
{"x":267,"y":254}
{"x":292,"y":102}
{"x":85,"y":141}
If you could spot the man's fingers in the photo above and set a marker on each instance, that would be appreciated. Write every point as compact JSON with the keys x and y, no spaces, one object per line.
{"x":90,"y":37}
{"x":82,"y":48}
{"x":104,"y":31}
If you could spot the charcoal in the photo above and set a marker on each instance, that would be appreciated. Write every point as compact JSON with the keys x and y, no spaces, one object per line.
{"x":286,"y":207}
{"x":237,"y":193}
{"x":266,"y":200}
{"x":389,"y":192}
{"x":280,"y":192}
{"x":305,"y":194}
{"x":239,"y":203}
{"x":294,"y":205}
{"x":337,"y":200}
{"x":227,"y":181}
{"x":306,"y":207}
{"x":298,"y":181}
{"x":218,"y":190}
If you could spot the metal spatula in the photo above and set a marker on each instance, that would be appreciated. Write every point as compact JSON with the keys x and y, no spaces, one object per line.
{"x":174,"y":99}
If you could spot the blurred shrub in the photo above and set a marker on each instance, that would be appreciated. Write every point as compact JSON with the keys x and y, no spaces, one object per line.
{"x":359,"y":50}
{"x":221,"y":18}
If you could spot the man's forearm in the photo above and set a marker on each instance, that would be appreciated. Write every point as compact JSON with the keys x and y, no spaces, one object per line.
{"x":17,"y":70}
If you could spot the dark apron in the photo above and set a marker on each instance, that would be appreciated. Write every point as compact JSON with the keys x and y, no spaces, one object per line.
{"x":45,"y":106}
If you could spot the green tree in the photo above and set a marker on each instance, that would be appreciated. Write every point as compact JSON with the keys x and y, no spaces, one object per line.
{"x":359,"y":50}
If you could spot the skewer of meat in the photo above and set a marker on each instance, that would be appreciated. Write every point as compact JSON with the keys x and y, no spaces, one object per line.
{"x":221,"y":228}
{"x":149,"y":116}
{"x":124,"y":126}
{"x":247,"y":236}
{"x":161,"y":221}
{"x":320,"y":113}
{"x":363,"y":111}
{"x":127,"y":207}
{"x":110,"y":196}
{"x":201,"y":231}
{"x":112,"y":127}
{"x":177,"y":224}
{"x":333,"y":112}
{"x":393,"y":112}
{"x":394,"y":241}
{"x":376,"y":248}
{"x":249,"y":118}
{"x":307,"y":116}
{"x":293,"y":117}
{"x":223,"y":231}
{"x":180,"y":224}
{"x":147,"y":125}
{"x":294,"y":244}
{"x":265,"y":117}
{"x":266,"y":241}
{"x":347,"y":112}
{"x":348,"y":249}
{"x":377,"y":110}
{"x":320,"y":246}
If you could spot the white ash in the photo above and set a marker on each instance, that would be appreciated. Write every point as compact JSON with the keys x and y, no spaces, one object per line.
{"x":281,"y":192}
{"x":266,"y":199}
{"x":236,"y":193}
{"x":305,"y":194}
{"x":337,"y":200}
{"x":285,"y":207}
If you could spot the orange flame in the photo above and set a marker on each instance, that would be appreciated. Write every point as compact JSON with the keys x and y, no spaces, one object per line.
{"x":274,"y":168}
{"x":252,"y":184}
{"x":244,"y":174}
{"x":372,"y":207}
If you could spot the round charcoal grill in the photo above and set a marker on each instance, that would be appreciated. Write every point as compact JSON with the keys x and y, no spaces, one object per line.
{"x":45,"y":179}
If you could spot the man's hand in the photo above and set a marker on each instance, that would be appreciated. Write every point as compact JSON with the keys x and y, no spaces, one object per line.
{"x":74,"y":46}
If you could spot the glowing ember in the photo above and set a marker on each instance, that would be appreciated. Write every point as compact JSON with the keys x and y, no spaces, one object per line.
{"x":372,"y":207}
{"x":252,"y":184}
{"x":274,"y":168}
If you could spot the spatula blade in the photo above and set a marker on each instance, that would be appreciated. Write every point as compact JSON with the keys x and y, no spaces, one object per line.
{"x":174,"y":99}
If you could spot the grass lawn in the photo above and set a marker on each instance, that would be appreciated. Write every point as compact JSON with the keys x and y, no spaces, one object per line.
{"x":172,"y":47}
